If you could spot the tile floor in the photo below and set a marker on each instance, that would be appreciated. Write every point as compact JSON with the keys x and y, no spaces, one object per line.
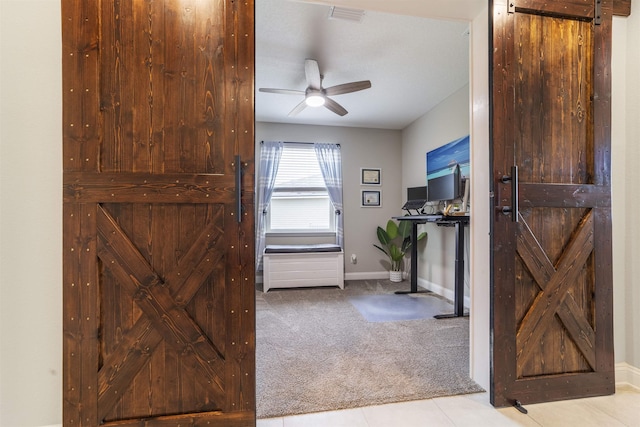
{"x":474,"y":410}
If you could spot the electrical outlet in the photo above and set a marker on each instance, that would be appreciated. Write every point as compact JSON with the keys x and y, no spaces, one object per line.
{"x":354,"y":259}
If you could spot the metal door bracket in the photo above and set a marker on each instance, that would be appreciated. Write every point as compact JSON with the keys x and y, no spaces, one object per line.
{"x":519,"y":407}
{"x":597,"y":19}
{"x":513,"y":179}
{"x":511,"y":8}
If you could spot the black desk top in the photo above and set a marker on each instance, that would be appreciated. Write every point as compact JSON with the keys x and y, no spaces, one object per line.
{"x":433,"y":218}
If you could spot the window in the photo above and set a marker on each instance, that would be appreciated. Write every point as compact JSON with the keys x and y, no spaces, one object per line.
{"x":300,"y":202}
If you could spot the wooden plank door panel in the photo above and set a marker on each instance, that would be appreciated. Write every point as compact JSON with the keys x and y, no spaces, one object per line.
{"x":177,"y":303}
{"x":159,"y":317}
{"x":552,"y":278}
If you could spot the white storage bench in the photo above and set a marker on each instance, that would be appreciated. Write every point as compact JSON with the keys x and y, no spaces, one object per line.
{"x":300,"y":266}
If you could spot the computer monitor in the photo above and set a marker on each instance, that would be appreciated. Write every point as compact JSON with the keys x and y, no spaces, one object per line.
{"x":445,"y":187}
{"x":416,"y":199}
{"x":447,"y":166}
{"x":417,"y":193}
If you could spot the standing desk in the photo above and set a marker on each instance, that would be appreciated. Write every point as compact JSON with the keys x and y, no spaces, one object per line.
{"x":444,"y":221}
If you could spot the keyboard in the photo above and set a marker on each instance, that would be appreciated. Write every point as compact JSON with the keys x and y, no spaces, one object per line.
{"x":414,"y":204}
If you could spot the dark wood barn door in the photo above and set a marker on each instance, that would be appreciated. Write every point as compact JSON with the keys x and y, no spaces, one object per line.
{"x":158,"y":213}
{"x":552,"y":320}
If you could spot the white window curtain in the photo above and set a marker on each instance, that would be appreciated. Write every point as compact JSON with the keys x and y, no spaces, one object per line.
{"x":270,"y":154}
{"x":330,"y":160}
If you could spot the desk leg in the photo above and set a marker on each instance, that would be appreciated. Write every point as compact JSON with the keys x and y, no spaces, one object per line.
{"x":458,"y":302}
{"x":414,"y":262}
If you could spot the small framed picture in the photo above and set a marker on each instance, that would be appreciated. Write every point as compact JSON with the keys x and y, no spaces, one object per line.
{"x":370,"y":176}
{"x":371,"y":198}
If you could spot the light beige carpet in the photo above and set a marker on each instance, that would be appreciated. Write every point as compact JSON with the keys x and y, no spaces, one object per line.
{"x":315,"y":352}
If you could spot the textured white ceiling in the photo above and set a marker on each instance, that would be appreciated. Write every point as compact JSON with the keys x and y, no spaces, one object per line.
{"x":413,"y":62}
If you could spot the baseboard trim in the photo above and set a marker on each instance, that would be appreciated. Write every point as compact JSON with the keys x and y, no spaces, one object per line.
{"x":442,"y":291}
{"x":627,"y":374}
{"x":367,"y":275}
{"x":433,"y":287}
{"x":375,"y":275}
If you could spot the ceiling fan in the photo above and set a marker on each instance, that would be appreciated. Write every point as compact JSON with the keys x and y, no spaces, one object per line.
{"x":315,"y":95}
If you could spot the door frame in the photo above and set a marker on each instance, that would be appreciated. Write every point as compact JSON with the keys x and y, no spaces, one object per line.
{"x":479,"y":262}
{"x":479,"y":269}
{"x":479,"y":258}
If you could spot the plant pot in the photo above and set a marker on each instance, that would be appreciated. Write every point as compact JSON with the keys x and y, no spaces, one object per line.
{"x":395,"y":276}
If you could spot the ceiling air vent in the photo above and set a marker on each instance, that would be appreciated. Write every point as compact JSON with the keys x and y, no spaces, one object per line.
{"x":354,"y":15}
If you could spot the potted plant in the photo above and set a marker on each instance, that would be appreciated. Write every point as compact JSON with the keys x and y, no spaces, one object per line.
{"x":395,"y":242}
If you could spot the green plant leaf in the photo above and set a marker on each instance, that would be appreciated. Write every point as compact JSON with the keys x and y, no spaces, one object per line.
{"x":404,"y":229}
{"x":396,"y":253}
{"x":406,"y":244}
{"x":383,"y":236}
{"x":395,"y":242}
{"x":392,"y":229}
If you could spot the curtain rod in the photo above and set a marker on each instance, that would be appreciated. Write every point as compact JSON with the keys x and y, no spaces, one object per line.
{"x":306,"y":143}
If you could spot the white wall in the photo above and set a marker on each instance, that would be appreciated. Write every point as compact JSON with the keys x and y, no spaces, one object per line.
{"x":30,"y":213}
{"x":360,"y":148}
{"x":619,"y":185}
{"x":631,"y":246}
{"x":448,"y":121}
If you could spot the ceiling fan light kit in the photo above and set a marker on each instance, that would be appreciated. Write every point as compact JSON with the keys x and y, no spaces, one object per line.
{"x":315,"y":95}
{"x":315,"y":99}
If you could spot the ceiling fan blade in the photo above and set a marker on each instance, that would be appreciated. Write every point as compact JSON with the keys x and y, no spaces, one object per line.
{"x":312,"y":73}
{"x":282,"y":91}
{"x":335,"y":107}
{"x":298,"y":108}
{"x":347,"y":88}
